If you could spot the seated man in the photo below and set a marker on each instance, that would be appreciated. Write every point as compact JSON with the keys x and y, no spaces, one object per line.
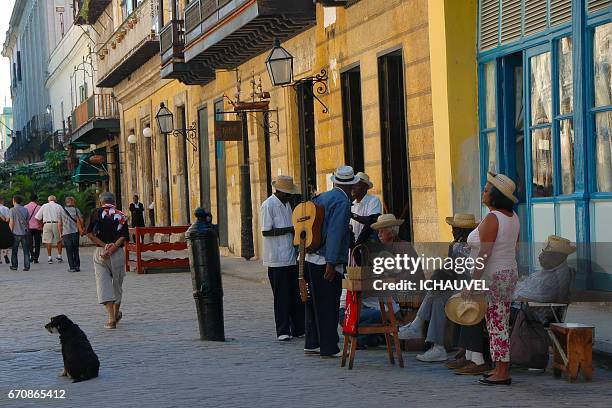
{"x":552,"y":283}
{"x":432,"y":307}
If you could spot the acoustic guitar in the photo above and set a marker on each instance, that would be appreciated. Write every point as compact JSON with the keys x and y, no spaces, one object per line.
{"x":308,"y":225}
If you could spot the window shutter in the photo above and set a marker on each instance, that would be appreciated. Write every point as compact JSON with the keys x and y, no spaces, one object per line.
{"x":596,"y":5}
{"x":560,"y":11}
{"x":535,"y":16}
{"x":489,"y":23}
{"x":511,"y":20}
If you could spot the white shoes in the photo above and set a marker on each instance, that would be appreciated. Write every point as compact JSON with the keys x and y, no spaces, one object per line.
{"x":59,"y":259}
{"x":312,"y":351}
{"x":284,"y":337}
{"x":434,"y":354}
{"x":410,"y":331}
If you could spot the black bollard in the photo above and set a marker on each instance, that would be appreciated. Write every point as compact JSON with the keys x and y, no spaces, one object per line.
{"x":205,"y":265}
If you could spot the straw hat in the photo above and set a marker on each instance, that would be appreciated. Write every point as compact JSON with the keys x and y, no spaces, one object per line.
{"x":345,"y":175}
{"x":466,"y":312}
{"x":386,"y":221}
{"x":504,"y":184}
{"x":462,"y":221}
{"x":365,"y":178}
{"x":559,"y":245}
{"x":286,"y":185}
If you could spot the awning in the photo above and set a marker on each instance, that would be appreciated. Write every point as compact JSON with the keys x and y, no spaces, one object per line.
{"x":86,"y":172}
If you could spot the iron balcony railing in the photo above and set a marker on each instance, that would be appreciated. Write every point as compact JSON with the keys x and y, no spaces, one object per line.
{"x":172,"y":41}
{"x":88,"y":11}
{"x":201,"y":15}
{"x":97,"y":106}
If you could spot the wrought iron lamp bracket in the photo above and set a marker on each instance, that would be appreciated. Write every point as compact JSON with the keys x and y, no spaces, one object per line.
{"x":319,"y":86}
{"x":190,"y":134}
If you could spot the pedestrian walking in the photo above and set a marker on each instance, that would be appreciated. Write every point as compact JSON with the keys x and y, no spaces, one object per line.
{"x":50,"y":214}
{"x":108,"y":229}
{"x":279,"y":256}
{"x":34,"y":227}
{"x":6,"y":236}
{"x":18,"y":222}
{"x":137,"y":211}
{"x":71,"y":228}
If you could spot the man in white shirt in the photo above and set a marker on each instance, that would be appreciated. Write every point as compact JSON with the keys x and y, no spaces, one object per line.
{"x":50,"y":214}
{"x":365,"y":210}
{"x":279,"y":255}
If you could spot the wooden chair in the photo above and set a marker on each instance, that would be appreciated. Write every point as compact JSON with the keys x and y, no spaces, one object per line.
{"x":388,"y":327}
{"x":573,"y":351}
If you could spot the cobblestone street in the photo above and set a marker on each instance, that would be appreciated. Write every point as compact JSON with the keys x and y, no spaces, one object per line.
{"x":154,"y":358}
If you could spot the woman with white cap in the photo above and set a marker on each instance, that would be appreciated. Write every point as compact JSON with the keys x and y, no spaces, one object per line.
{"x":494,"y":242}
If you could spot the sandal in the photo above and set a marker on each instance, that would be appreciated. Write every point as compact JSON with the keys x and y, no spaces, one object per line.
{"x":118,"y":317}
{"x":110,"y":325}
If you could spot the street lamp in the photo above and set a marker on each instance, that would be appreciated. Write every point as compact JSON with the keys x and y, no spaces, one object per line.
{"x":131,"y":138}
{"x":147,"y":132}
{"x":280,"y":69}
{"x":165,"y":123}
{"x":280,"y":65}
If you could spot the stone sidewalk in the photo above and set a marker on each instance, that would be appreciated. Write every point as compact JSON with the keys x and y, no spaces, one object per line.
{"x":154,"y":358}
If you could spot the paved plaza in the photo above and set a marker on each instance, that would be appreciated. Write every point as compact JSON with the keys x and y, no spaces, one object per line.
{"x":155,"y":359}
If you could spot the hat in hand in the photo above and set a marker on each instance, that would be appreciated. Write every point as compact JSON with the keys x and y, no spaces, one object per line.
{"x":466,"y":312}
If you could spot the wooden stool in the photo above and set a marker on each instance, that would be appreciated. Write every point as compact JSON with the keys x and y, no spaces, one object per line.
{"x":387,"y":327}
{"x":573,"y":349}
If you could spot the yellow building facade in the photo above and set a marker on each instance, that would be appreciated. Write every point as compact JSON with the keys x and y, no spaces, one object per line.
{"x":413,"y":63}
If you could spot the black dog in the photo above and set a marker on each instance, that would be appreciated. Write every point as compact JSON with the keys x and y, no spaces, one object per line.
{"x":80,"y":361}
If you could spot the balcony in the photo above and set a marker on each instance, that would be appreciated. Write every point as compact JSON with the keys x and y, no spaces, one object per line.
{"x":88,"y":11}
{"x":95,"y":119}
{"x":224,"y":34}
{"x":29,"y":144}
{"x":130,"y":46}
{"x":172,"y":44}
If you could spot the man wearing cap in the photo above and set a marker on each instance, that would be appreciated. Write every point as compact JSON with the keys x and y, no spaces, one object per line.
{"x":552,"y":283}
{"x":279,"y":256}
{"x":324,"y":268}
{"x":365,"y":210}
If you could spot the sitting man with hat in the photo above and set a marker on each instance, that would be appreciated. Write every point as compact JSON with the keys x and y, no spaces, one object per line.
{"x":365,"y":210}
{"x":279,"y":255}
{"x":552,"y":283}
{"x":324,"y":268}
{"x":432,"y":307}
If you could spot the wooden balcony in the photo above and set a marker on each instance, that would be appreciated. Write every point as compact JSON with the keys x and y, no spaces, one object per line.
{"x":172,"y":44}
{"x":223,"y":34}
{"x":95,"y":119}
{"x":135,"y":42}
{"x":88,"y":11}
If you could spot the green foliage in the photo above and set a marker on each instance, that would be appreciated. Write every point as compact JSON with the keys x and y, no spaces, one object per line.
{"x":51,"y":177}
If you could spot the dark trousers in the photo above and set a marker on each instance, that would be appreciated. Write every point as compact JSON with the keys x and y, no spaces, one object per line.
{"x":35,"y":238}
{"x":25,"y":247}
{"x":322,"y":310}
{"x":472,"y":337}
{"x":288,"y":307}
{"x":71,"y":243}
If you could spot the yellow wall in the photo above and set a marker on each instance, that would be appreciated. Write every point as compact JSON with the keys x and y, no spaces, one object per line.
{"x":433,"y":99}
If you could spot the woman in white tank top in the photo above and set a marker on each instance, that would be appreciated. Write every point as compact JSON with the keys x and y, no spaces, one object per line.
{"x":495,"y":242}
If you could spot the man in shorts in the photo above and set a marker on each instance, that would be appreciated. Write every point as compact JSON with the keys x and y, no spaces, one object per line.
{"x":50,"y":214}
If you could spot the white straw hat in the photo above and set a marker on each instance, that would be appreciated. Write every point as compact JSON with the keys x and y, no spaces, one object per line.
{"x":559,"y":245}
{"x":504,"y":184}
{"x":461,"y":220}
{"x":386,"y":221}
{"x":466,"y":312}
{"x":365,"y":178}
{"x":345,"y":175}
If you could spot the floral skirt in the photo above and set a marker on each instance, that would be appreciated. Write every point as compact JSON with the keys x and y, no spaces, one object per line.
{"x":499,"y":298}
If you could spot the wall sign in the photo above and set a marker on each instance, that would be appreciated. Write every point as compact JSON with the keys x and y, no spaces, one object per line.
{"x":228,"y":130}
